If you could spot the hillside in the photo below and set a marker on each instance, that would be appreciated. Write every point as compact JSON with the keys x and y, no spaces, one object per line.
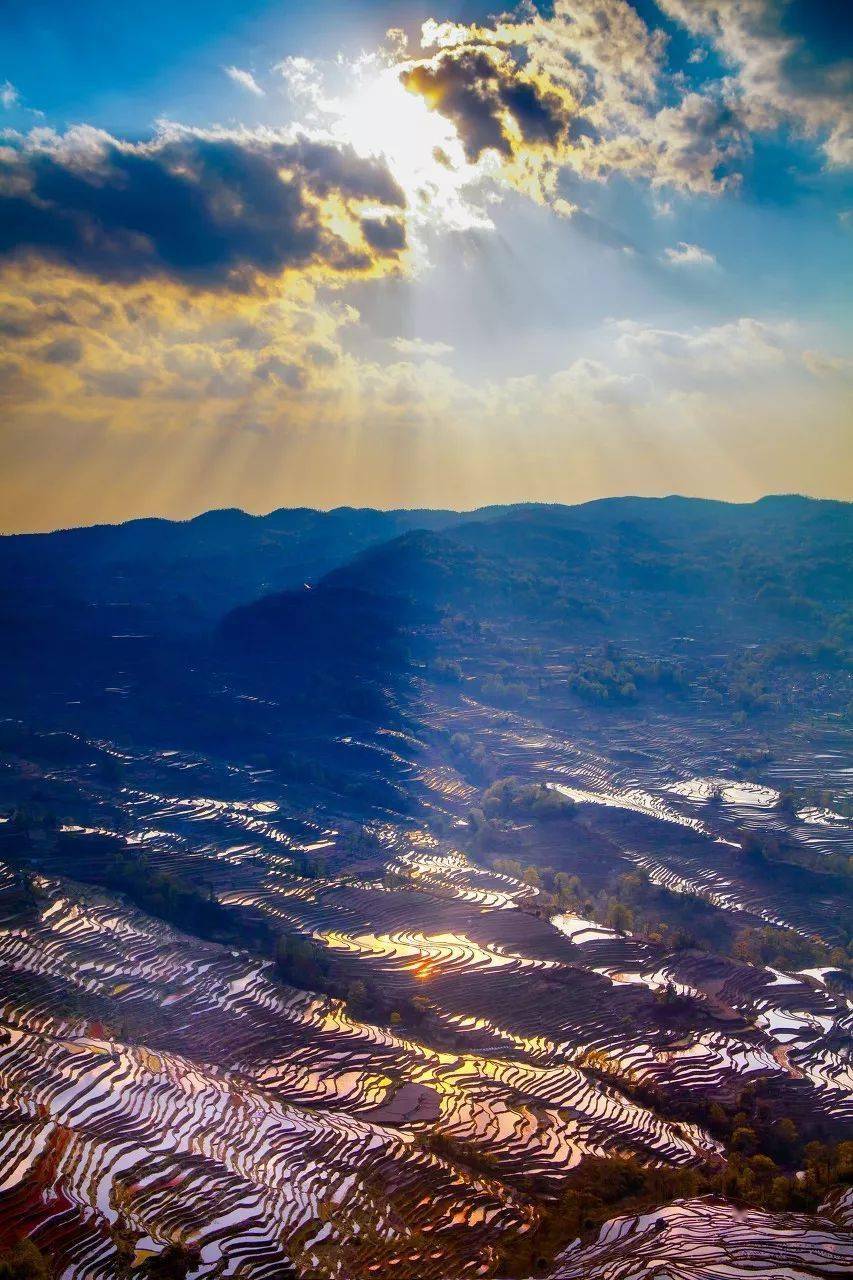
{"x":477,"y":905}
{"x":187,"y":573}
{"x":627,"y":567}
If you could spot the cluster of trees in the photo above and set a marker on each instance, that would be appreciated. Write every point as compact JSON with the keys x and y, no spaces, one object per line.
{"x":367,"y":1003}
{"x":822,"y":798}
{"x":23,"y":1261}
{"x":511,"y":798}
{"x":174,"y":1262}
{"x":632,"y":903}
{"x":750,"y":757}
{"x":603,"y":1187}
{"x":32,"y":818}
{"x":19,"y":897}
{"x":762,"y":847}
{"x":294,"y":767}
{"x":529,"y":803}
{"x":749,"y":682}
{"x":627,"y":903}
{"x":609,"y":676}
{"x":743,"y":683}
{"x":503,"y":691}
{"x":832,"y":652}
{"x":785,"y":949}
{"x":446,"y":671}
{"x":470,"y":755}
{"x":460,"y":1152}
{"x":599,"y":1188}
{"x":307,"y":865}
{"x":785,"y":601}
{"x":300,"y":962}
{"x":360,"y":842}
{"x":160,"y":893}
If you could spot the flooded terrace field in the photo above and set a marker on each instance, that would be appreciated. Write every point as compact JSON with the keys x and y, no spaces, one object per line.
{"x":157,"y":1086}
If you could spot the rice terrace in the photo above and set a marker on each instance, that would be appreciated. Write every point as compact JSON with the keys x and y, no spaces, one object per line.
{"x":426,"y":640}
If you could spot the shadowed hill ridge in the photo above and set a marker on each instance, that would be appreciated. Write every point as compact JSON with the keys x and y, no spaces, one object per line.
{"x":623,"y":564}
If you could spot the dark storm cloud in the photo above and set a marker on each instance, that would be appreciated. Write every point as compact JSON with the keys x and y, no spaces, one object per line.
{"x":204,"y":210}
{"x":337,"y":168}
{"x":476,"y":88}
{"x":385,"y":235}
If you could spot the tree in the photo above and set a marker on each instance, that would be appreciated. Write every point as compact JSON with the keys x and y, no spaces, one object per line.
{"x":621,"y":917}
{"x":744,"y":1139}
{"x":356,"y":997}
{"x":786,"y":1138}
{"x":172,"y":1264}
{"x":787,"y":804}
{"x":23,"y":1262}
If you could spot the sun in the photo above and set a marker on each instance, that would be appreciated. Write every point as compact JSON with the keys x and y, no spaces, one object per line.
{"x":380,"y":117}
{"x":384,"y":118}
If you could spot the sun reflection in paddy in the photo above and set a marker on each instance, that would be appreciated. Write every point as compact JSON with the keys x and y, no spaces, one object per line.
{"x":427,"y":955}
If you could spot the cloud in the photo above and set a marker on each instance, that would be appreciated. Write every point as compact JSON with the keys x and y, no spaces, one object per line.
{"x":387,"y":235}
{"x":212,"y":209}
{"x":689,"y":255}
{"x":246,"y":80}
{"x":255,"y":392}
{"x":416,"y":348}
{"x":494,"y":105}
{"x":157,"y":351}
{"x":591,"y":382}
{"x":746,"y":345}
{"x":778,"y":76}
{"x":9,"y":96}
{"x":584,"y":88}
{"x":601,"y":48}
{"x":302,"y":77}
{"x":605,"y":99}
{"x":62,"y":351}
{"x":696,"y":146}
{"x":824,"y":364}
{"x":287,"y":373}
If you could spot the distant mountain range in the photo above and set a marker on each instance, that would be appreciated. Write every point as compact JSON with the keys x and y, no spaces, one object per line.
{"x":185,"y":575}
{"x":628,"y":569}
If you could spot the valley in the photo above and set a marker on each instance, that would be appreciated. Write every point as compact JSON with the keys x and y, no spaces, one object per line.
{"x":360,"y":933}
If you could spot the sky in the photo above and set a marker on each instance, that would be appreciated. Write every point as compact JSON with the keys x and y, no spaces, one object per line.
{"x":357,"y":252}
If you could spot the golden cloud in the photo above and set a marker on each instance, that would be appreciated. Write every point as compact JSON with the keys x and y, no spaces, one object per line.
{"x":210,"y":209}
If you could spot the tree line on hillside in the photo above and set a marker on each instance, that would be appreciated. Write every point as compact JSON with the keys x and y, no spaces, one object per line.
{"x":633,"y":903}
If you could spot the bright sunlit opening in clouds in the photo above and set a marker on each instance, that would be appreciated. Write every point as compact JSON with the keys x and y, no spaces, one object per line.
{"x":379,"y":117}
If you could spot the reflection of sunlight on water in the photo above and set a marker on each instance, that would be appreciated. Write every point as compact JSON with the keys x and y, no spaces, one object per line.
{"x":580,"y":930}
{"x":634,"y":799}
{"x":814,"y":816}
{"x":750,"y":793}
{"x":453,"y":872}
{"x":425,"y":955}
